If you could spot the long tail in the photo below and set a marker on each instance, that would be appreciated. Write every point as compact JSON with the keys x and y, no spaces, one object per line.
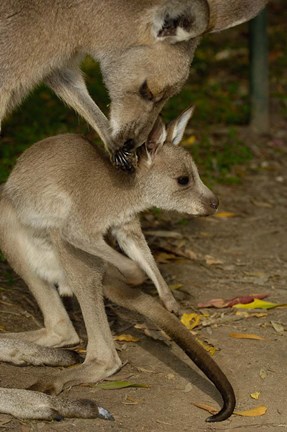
{"x":136,"y":300}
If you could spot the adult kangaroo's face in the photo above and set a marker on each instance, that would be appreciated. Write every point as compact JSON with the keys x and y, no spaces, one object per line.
{"x":144,"y":75}
{"x":143,"y":80}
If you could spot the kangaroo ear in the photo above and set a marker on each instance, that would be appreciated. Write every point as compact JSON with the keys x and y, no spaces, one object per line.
{"x":224,"y":14}
{"x":180,"y":20}
{"x":176,"y":128}
{"x":156,"y":137}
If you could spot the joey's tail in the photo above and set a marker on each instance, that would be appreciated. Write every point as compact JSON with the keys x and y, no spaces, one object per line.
{"x":136,"y":300}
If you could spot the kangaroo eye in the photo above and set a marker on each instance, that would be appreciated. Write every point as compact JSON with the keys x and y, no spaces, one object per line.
{"x":145,"y":92}
{"x":183,"y":181}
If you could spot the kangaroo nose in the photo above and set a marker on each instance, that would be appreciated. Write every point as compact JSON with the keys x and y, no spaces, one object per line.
{"x":214,"y":203}
{"x":129,"y":145}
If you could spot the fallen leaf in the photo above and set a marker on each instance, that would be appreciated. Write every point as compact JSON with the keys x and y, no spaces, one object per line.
{"x":254,"y":412}
{"x":225,"y":215}
{"x":207,"y":346}
{"x":210,"y":260}
{"x":163,"y":257}
{"x":223,"y":303}
{"x":206,"y":407}
{"x":246,"y":336}
{"x":154,"y":333}
{"x":130,"y":401}
{"x":259,"y":304}
{"x":263,"y":374}
{"x":174,"y":287}
{"x":191,"y":320}
{"x":255,"y":395}
{"x":278,"y":327}
{"x":113,"y":385}
{"x":126,"y":338}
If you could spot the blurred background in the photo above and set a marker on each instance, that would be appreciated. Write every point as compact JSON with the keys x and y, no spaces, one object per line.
{"x":218,"y":86}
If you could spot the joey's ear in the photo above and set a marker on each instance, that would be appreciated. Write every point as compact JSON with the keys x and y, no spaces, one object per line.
{"x":156,"y":137}
{"x":176,"y":128}
{"x":224,"y":14}
{"x":180,"y":20}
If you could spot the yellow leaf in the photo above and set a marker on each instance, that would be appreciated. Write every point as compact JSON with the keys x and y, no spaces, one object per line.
{"x":175,"y":286}
{"x":189,"y":141}
{"x":126,"y":338}
{"x":191,"y":320}
{"x":208,"y":347}
{"x":259,"y":304}
{"x":246,"y":336}
{"x":225,"y":214}
{"x":255,"y":395}
{"x":254,"y":412}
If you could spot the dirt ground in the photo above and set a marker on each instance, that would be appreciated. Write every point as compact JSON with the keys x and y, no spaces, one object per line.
{"x":230,"y":257}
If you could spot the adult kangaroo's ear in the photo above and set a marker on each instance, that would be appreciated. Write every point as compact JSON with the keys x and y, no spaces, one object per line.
{"x":179,"y":20}
{"x":176,"y":128}
{"x":224,"y":14}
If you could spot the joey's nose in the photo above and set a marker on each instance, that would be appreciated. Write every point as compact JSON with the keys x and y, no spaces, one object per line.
{"x":214,"y":203}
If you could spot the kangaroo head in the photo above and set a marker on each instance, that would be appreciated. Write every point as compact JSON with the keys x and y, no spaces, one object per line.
{"x":141,"y":77}
{"x":167,"y":174}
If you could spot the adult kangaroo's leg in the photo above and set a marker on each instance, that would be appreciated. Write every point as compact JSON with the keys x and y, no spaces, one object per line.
{"x":85,"y":279}
{"x":15,"y":242}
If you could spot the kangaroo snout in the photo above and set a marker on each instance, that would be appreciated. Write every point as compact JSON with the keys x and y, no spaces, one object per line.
{"x":210,"y":204}
{"x":214,"y":203}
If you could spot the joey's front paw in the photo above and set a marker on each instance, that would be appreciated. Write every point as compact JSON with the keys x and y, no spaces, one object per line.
{"x":171,"y":304}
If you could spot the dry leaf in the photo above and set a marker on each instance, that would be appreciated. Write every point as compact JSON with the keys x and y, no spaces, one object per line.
{"x":126,"y":338}
{"x":206,"y":407}
{"x":225,"y":215}
{"x":210,"y":260}
{"x":191,"y":320}
{"x":130,"y":401}
{"x":263,"y":374}
{"x":163,"y":257}
{"x":259,"y":304}
{"x":222,"y":303}
{"x":207,"y":346}
{"x":255,"y":395}
{"x":278,"y":327}
{"x":254,"y":412}
{"x":174,"y":287}
{"x":246,"y":336}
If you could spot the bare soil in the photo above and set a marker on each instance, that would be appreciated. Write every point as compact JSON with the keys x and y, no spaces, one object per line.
{"x":248,"y":255}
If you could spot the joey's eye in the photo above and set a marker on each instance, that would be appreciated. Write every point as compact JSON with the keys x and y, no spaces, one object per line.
{"x":183,"y":181}
{"x":145,"y":92}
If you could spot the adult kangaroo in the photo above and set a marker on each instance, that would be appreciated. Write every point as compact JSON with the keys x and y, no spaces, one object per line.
{"x":144,"y":48}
